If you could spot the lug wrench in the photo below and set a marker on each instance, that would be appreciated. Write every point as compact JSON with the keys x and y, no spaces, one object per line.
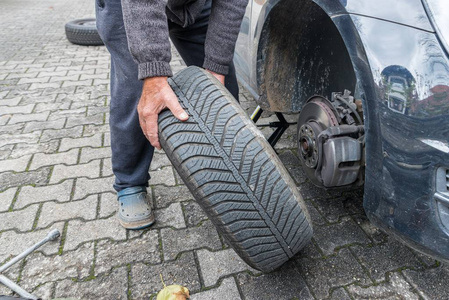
{"x":52,"y":235}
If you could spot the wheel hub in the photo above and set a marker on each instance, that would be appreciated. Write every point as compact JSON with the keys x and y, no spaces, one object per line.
{"x":316,"y":116}
{"x":308,"y":145}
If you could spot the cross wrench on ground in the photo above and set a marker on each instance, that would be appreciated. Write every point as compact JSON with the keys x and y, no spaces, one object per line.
{"x":52,"y":235}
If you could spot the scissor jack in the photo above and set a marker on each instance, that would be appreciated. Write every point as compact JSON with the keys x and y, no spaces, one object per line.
{"x":280,"y":126}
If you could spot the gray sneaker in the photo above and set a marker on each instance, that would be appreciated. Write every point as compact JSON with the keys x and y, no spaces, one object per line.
{"x":134,"y":208}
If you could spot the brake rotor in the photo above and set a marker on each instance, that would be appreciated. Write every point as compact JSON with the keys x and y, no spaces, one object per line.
{"x":316,"y":116}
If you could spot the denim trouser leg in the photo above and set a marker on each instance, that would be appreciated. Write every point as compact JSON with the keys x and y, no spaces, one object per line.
{"x":131,"y":152}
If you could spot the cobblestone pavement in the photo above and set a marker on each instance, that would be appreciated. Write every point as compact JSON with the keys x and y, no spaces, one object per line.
{"x":55,"y":172}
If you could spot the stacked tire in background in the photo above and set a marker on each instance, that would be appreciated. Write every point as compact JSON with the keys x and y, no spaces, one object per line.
{"x":83,"y":32}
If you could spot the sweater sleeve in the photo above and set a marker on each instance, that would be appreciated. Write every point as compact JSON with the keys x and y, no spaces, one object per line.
{"x":224,"y":26}
{"x":147,"y":33}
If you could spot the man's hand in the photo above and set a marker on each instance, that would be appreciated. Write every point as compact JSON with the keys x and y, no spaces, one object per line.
{"x":220,"y":77}
{"x":156,"y":96}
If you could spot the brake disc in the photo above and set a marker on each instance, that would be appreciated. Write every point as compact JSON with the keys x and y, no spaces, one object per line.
{"x":316,"y":116}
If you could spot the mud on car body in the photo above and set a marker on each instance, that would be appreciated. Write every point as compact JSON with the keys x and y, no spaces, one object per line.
{"x":371,"y":82}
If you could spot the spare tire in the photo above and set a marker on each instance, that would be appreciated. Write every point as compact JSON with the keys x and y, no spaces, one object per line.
{"x":83,"y":32}
{"x":233,"y":173}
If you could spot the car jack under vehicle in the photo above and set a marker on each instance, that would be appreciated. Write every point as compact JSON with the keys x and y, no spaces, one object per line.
{"x":330,"y":136}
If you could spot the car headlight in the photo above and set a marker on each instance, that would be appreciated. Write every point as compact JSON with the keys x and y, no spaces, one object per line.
{"x":438,"y":12}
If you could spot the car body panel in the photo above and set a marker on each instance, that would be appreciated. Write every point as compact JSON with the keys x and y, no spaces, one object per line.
{"x":405,"y":148}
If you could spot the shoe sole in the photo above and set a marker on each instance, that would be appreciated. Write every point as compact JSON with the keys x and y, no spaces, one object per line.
{"x":137,"y":225}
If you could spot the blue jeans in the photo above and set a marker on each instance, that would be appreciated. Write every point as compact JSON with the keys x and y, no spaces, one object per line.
{"x":131,"y":151}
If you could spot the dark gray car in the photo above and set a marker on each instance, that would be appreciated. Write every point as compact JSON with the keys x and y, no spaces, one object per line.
{"x":371,"y":82}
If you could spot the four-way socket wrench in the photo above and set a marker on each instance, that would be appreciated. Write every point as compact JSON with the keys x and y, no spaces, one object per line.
{"x":52,"y":235}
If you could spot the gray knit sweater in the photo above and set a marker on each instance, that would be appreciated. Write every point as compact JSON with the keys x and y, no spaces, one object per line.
{"x":147,"y":32}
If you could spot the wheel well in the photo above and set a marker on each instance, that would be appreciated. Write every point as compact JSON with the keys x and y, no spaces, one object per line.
{"x":300,"y":54}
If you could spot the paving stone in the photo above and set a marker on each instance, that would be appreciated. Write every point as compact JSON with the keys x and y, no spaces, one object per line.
{"x":12,"y":243}
{"x":163,"y":176}
{"x":20,"y":109}
{"x":297,"y":174}
{"x":164,"y":196}
{"x":145,"y":280}
{"x":54,"y":124}
{"x":226,"y":291}
{"x":12,"y":273}
{"x":21,"y":220}
{"x":193,"y":213}
{"x":106,"y":170}
{"x":29,"y":138}
{"x":25,"y":149}
{"x":6,"y":198}
{"x":40,"y":269}
{"x":62,"y":172}
{"x":77,"y":83}
{"x":142,"y":249}
{"x":42,"y":159}
{"x":76,"y":121}
{"x":425,"y":259}
{"x":58,"y":192}
{"x":176,"y":241}
{"x":91,"y":141}
{"x":79,"y":232}
{"x":102,"y":108}
{"x":95,"y":129}
{"x":108,"y":204}
{"x":53,"y":134}
{"x":317,"y":218}
{"x":33,"y":80}
{"x":341,"y":269}
{"x":15,"y":165}
{"x":159,"y":161}
{"x":11,"y":102}
{"x":28,"y":117}
{"x":12,"y":129}
{"x":309,"y":251}
{"x":54,"y":115}
{"x":85,"y":186}
{"x":337,"y":235}
{"x":395,"y":288}
{"x":88,"y":154}
{"x":285,"y":283}
{"x":289,"y":158}
{"x":5,"y":151}
{"x":373,"y":232}
{"x":106,"y":140}
{"x":37,"y":178}
{"x":380,"y":259}
{"x":309,"y":191}
{"x":170,"y":217}
{"x":334,"y":209}
{"x":45,"y":290}
{"x":431,"y":283}
{"x":4,"y":119}
{"x":53,"y":212}
{"x":340,"y":294}
{"x":214,"y":265}
{"x":106,"y":286}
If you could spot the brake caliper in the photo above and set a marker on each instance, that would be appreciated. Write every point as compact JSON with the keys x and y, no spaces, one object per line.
{"x":331,"y":140}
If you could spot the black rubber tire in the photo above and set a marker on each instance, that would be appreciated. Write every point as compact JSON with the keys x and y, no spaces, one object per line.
{"x":233,"y":173}
{"x":83,"y":32}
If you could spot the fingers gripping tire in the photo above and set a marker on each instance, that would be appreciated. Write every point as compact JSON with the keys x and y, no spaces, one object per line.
{"x":83,"y":32}
{"x":234,"y":173}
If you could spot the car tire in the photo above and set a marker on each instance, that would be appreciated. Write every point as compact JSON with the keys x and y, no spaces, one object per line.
{"x":233,"y":173}
{"x":83,"y":32}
